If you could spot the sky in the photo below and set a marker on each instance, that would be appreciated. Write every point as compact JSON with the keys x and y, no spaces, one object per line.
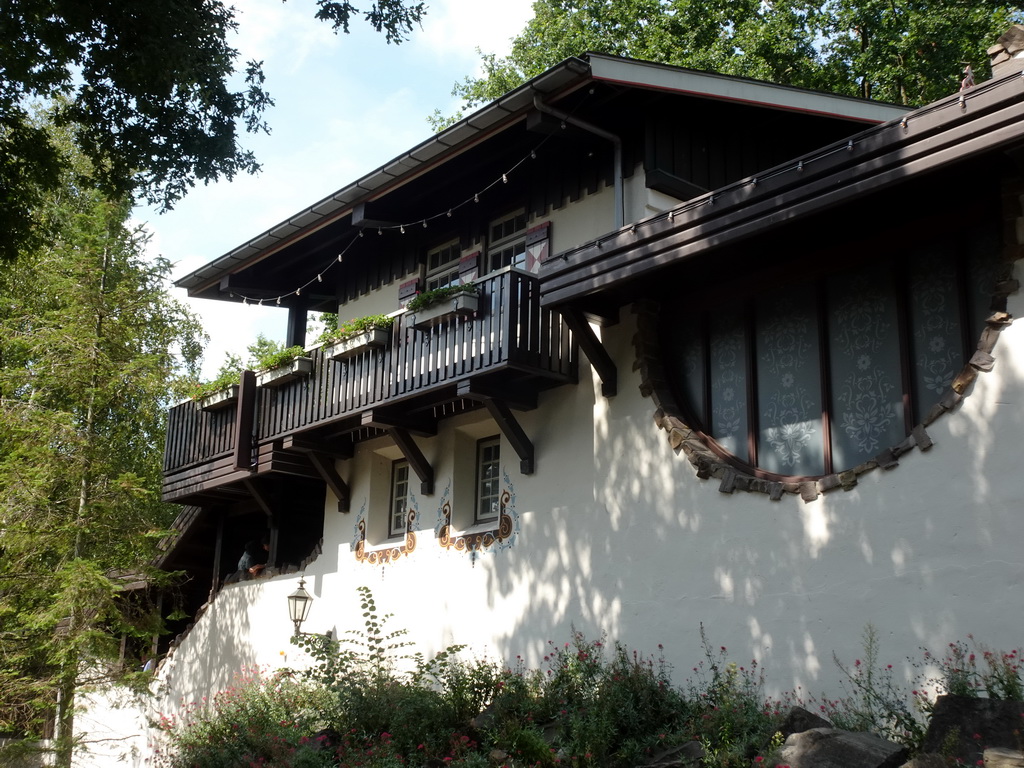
{"x":344,"y":105}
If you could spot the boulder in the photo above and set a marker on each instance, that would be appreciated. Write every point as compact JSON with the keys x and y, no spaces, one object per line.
{"x":961,"y":727}
{"x":799,"y":720}
{"x":833,"y":748}
{"x":999,"y":757}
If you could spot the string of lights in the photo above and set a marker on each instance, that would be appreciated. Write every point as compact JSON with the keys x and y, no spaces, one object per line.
{"x":970,"y":92}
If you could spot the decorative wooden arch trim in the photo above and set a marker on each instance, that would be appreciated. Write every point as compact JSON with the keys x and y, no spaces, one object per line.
{"x":733,"y":476}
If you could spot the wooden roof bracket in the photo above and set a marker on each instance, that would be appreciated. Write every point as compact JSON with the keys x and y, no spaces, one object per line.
{"x":502,"y":414}
{"x":415,"y":457}
{"x":322,"y":456}
{"x":324,"y":466}
{"x":593,"y":349}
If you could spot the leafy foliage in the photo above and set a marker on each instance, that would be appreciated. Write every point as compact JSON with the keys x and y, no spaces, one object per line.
{"x":148,"y":88}
{"x":92,"y":349}
{"x":893,"y":50}
{"x":334,"y":330}
{"x":436,"y":296}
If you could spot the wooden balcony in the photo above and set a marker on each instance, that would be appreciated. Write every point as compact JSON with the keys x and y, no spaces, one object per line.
{"x":508,"y":352}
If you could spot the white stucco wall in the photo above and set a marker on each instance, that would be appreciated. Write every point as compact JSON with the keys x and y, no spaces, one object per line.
{"x":617,"y":534}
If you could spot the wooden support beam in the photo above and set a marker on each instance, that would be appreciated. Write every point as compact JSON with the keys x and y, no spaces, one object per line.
{"x":513,"y":432}
{"x":245,"y":417}
{"x":383,"y":418}
{"x":324,"y":464}
{"x":592,"y":348}
{"x":472,"y":389}
{"x":416,"y":459}
{"x":295,"y":335}
{"x":333,"y":447}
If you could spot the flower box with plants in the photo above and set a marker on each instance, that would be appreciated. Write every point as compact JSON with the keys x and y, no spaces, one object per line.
{"x":219,"y":393}
{"x":281,"y":367}
{"x":356,"y":336}
{"x":443,"y":304}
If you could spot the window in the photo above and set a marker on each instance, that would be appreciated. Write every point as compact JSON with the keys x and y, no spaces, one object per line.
{"x":488,"y":487}
{"x":507,"y":242}
{"x":399,"y":498}
{"x":813,"y":376}
{"x":443,"y":265}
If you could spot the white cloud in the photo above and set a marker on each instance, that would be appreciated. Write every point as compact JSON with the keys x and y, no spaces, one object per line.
{"x":459,"y":27}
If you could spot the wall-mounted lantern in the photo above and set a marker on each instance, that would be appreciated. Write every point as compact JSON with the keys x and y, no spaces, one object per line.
{"x":299,"y":602}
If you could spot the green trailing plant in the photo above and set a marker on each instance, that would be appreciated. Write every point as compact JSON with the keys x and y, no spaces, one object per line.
{"x":278,"y":358}
{"x":230,"y":373}
{"x":429,"y":298}
{"x":263,"y":355}
{"x":338,"y":331}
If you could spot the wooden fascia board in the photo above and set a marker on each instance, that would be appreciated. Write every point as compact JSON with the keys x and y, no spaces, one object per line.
{"x":928,"y":142}
{"x":345,"y":210}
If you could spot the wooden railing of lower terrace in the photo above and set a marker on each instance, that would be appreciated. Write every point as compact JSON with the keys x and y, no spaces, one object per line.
{"x":511,"y":342}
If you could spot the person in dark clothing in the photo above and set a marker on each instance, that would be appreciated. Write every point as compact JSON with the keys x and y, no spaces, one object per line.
{"x":254,"y":558}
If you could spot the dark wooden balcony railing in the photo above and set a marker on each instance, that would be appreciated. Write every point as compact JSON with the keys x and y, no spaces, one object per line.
{"x":420,"y":367}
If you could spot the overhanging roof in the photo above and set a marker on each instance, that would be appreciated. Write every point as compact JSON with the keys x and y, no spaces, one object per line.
{"x":556,"y":82}
{"x":985,"y":119}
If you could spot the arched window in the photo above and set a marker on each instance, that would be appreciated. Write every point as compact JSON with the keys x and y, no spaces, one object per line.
{"x":807,"y":375}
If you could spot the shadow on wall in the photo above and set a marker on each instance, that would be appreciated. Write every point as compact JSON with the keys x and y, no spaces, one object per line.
{"x":216,"y":649}
{"x":926,"y":552}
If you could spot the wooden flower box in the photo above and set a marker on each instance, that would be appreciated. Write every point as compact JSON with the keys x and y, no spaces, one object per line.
{"x":460,"y":305}
{"x":217,"y":401}
{"x":374,"y":338}
{"x":298,"y":368}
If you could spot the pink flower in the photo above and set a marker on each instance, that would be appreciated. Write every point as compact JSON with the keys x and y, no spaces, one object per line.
{"x":758,"y":759}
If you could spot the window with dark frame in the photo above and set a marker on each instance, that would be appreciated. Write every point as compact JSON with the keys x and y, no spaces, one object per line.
{"x":397,"y":520}
{"x":507,"y":242}
{"x":443,"y":265}
{"x":488,"y":474}
{"x":820,"y":376}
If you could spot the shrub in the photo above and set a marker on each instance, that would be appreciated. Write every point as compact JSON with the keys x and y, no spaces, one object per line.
{"x":262,"y":720}
{"x":730,"y":714}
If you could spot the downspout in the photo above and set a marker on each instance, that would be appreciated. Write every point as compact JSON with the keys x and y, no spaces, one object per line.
{"x":590,"y":128}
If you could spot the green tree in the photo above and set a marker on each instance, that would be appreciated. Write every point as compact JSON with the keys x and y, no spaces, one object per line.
{"x":91,"y":350}
{"x":907,"y":51}
{"x":149,"y":87}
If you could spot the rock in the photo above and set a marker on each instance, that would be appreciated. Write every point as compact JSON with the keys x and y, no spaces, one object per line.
{"x":799,"y":720}
{"x":832,"y":748}
{"x":1000,"y":757}
{"x":963,"y":726}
